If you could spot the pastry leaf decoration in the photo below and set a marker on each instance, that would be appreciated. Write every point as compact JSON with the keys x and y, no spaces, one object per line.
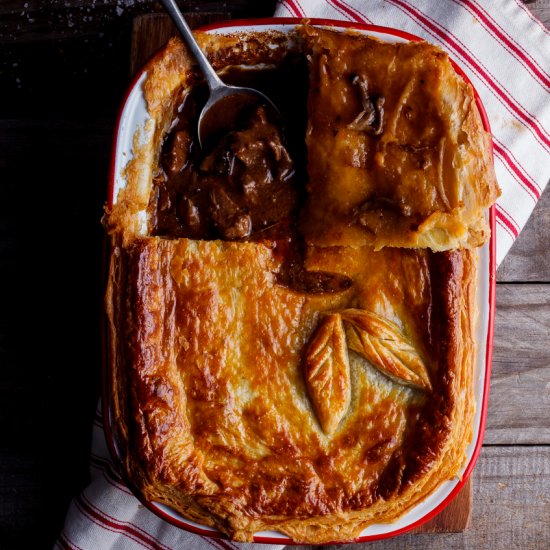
{"x":385,"y":346}
{"x":327,"y":372}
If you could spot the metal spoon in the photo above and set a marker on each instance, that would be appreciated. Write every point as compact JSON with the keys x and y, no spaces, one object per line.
{"x":225,"y":103}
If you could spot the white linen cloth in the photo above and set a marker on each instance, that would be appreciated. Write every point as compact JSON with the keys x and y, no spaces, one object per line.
{"x":505,"y":52}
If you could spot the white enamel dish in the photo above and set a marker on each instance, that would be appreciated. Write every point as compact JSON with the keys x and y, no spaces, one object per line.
{"x":134,"y":115}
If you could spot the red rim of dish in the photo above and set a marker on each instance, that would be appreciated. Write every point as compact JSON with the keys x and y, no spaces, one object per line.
{"x":491,"y":315}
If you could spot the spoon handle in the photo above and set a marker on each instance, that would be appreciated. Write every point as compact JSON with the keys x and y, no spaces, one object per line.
{"x":210,"y":75}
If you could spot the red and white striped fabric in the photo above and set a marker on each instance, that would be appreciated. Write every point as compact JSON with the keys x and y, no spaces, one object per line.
{"x":505,"y":52}
{"x":107,"y":516}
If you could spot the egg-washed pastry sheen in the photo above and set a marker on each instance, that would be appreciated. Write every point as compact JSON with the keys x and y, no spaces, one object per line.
{"x":258,"y":380}
{"x":398,"y":153}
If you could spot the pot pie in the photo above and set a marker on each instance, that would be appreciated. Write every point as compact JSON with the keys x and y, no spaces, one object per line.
{"x":292,"y":342}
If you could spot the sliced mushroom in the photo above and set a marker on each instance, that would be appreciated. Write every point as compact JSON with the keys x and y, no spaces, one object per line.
{"x":371,"y":118}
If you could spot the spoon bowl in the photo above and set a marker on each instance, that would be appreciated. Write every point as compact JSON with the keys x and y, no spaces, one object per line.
{"x":225,"y":103}
{"x":225,"y":107}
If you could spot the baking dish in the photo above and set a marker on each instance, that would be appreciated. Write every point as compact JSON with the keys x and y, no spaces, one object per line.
{"x":134,"y":116}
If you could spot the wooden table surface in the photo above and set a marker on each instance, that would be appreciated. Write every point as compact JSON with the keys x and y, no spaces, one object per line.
{"x":63,"y":72}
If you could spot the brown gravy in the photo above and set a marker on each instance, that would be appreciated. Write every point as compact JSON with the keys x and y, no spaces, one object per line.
{"x":251,"y":185}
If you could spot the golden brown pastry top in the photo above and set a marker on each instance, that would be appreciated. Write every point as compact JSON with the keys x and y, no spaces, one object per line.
{"x":231,"y":403}
{"x":398,"y":154}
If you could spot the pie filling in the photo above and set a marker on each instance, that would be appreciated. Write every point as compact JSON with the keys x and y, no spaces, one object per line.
{"x":248,"y":187}
{"x":286,"y":351}
{"x":251,"y":185}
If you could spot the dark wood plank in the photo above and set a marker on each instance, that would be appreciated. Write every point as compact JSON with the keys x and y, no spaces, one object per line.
{"x":23,"y":499}
{"x":158,"y":28}
{"x":28,"y":21}
{"x":456,"y":517}
{"x":519,"y":404}
{"x":540,"y":9}
{"x":54,"y":176}
{"x":511,"y":507}
{"x":528,"y":259}
{"x":71,"y":59}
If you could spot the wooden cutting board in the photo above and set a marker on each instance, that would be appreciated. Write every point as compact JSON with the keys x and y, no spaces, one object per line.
{"x":149,"y":34}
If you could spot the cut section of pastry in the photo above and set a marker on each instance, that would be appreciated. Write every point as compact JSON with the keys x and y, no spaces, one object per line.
{"x":397,"y":151}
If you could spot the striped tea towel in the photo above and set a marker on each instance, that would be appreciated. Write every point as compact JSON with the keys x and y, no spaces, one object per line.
{"x":506,"y":54}
{"x":107,"y":516}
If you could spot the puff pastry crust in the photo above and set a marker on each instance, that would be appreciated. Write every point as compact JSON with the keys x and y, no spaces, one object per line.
{"x":216,"y":417}
{"x":247,"y":405}
{"x":398,"y":152}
